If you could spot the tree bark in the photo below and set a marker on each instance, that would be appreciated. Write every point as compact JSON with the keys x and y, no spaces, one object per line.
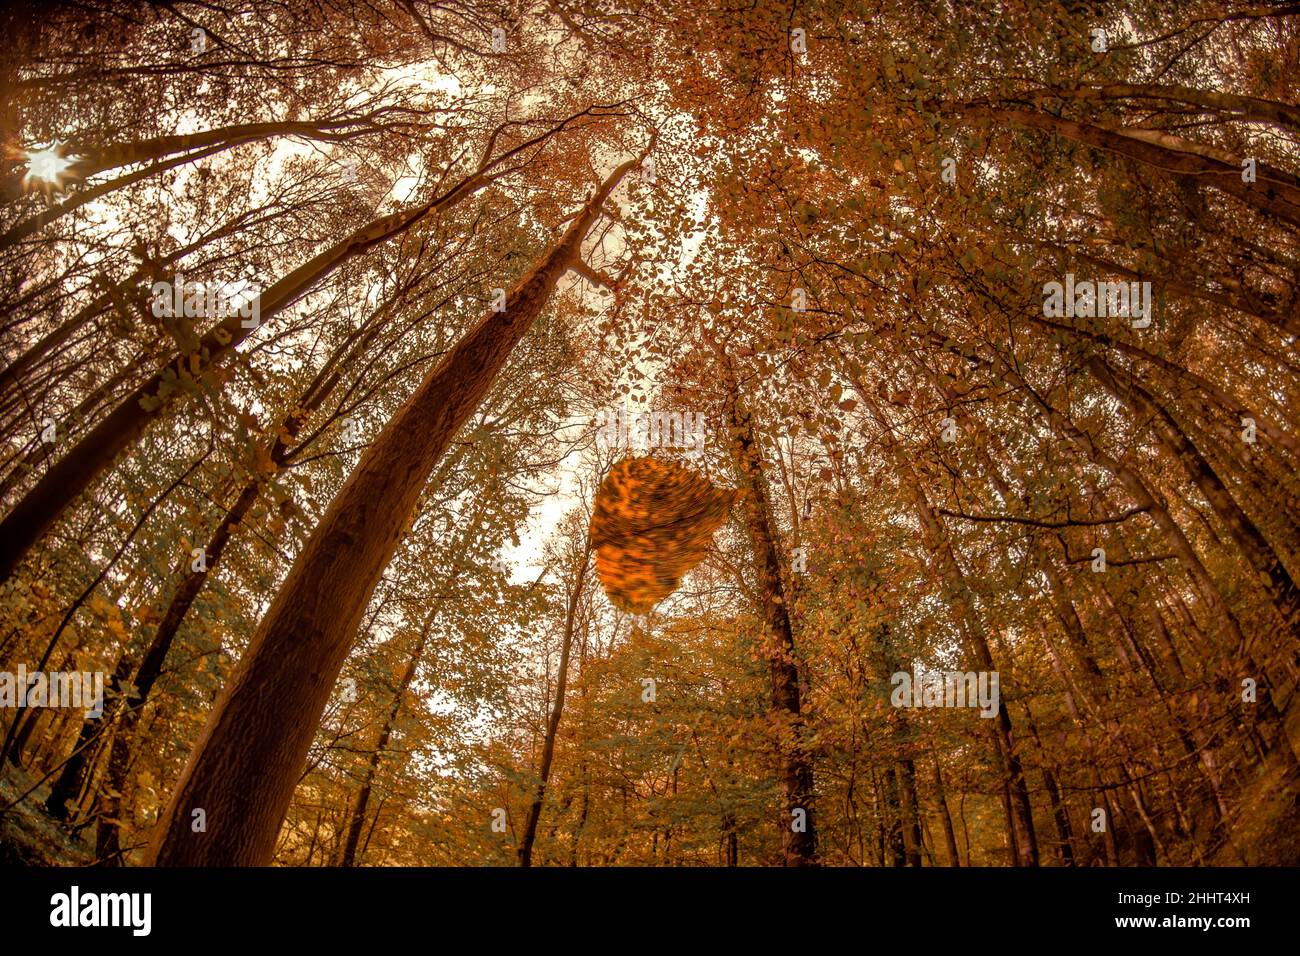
{"x":1275,"y":192}
{"x":1251,"y":109}
{"x":243,"y":770}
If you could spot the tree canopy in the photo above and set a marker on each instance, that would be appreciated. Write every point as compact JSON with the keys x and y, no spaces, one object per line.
{"x":499,"y":432}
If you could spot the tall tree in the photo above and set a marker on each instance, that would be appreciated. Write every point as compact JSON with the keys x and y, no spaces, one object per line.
{"x":266,"y":715}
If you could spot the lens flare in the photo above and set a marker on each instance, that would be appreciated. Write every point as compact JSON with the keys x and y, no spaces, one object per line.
{"x":48,"y":168}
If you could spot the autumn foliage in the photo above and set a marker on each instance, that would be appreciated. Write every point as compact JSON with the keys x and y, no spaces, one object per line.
{"x":365,"y":583}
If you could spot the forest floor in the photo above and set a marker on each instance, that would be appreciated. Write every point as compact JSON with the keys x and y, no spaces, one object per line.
{"x":31,"y":837}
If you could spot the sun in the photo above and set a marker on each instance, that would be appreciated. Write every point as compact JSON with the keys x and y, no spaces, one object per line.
{"x":47,"y":168}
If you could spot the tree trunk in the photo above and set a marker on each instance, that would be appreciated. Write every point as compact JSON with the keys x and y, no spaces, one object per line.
{"x":243,"y":770}
{"x":892,"y":820}
{"x":95,"y":161}
{"x":911,"y":811}
{"x":1060,"y":812}
{"x":1020,"y":818}
{"x":70,"y":779}
{"x":353,"y":841}
{"x":557,"y":711}
{"x":800,"y":847}
{"x":1276,"y":192}
{"x":949,"y":836}
{"x":1251,"y":109}
{"x":1281,"y":589}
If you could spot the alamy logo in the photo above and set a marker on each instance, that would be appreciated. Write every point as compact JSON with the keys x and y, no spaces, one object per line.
{"x":55,"y":689}
{"x":617,"y":428}
{"x":103,"y":909}
{"x":947,"y":689}
{"x":213,"y":300}
{"x":1094,"y":300}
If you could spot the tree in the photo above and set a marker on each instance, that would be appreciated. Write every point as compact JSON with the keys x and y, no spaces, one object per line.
{"x":326,"y":592}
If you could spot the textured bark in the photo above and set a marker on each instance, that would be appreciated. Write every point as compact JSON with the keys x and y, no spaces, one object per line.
{"x":243,"y":770}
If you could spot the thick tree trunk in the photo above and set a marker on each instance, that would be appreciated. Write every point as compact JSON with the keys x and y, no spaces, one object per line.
{"x":279,"y":453}
{"x":151,"y":666}
{"x":244,"y":768}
